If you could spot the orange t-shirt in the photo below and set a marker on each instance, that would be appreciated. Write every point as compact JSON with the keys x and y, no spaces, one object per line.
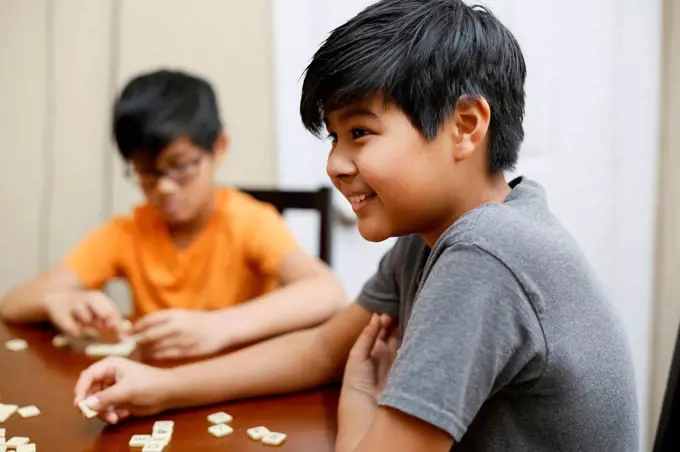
{"x":233,"y":260}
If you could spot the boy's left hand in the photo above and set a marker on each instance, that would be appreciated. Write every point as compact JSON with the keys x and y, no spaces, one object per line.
{"x":371,"y":358}
{"x":180,"y":333}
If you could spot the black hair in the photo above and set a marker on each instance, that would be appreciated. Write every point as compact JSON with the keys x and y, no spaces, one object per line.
{"x":423,"y":56}
{"x":156,"y":108}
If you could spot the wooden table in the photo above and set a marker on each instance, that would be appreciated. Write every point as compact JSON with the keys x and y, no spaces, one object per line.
{"x":45,"y":376}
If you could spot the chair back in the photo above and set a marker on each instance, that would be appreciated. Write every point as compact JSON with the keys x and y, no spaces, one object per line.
{"x":320,"y":200}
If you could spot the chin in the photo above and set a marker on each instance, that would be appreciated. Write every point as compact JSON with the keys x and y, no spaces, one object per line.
{"x":175,"y":218}
{"x":373,"y":232}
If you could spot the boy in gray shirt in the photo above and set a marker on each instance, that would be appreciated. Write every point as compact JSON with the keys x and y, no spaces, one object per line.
{"x":508,"y":342}
{"x":511,"y":345}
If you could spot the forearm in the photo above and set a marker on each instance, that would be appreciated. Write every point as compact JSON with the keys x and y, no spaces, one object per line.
{"x":302,"y":304}
{"x":356,"y":411}
{"x":287,"y":363}
{"x":29,"y":302}
{"x":24,"y":305}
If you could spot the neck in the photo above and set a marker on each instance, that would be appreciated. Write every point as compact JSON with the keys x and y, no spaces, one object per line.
{"x":493,"y":189}
{"x":189,"y":229}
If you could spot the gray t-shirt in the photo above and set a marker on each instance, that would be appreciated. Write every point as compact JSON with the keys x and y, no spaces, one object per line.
{"x":509,"y":341}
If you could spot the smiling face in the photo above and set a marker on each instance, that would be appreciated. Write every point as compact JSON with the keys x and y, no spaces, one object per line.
{"x":397,"y":181}
{"x":388,"y":171}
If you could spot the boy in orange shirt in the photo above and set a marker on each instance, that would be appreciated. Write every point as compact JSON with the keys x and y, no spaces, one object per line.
{"x":209,"y":268}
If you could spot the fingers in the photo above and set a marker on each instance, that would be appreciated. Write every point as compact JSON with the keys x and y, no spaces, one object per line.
{"x":66,"y":323}
{"x":386,"y":321}
{"x":106,"y":400}
{"x":389,"y":324}
{"x":157,"y":333}
{"x":114,"y":415}
{"x":93,"y":378}
{"x":81,"y":312}
{"x":94,"y":310}
{"x":393,"y":343}
{"x":104,"y":310}
{"x":386,"y":325}
{"x":151,"y":320}
{"x":166,"y":348}
{"x":364,"y":344}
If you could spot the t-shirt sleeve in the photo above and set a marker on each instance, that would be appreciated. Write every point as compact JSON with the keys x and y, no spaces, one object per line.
{"x":97,"y":259}
{"x":472,"y":332}
{"x":268,"y":239}
{"x":381,"y":292}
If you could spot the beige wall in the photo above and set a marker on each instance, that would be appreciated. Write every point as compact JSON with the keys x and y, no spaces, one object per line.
{"x":59,"y":170}
{"x":667,"y":312}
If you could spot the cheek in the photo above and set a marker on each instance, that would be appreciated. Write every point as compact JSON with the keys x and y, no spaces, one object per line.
{"x":195,"y":194}
{"x":199,"y":189}
{"x":391,"y":178}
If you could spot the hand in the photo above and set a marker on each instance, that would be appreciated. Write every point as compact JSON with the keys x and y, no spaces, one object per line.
{"x":180,"y":333}
{"x":117,"y":388}
{"x":75,"y":313}
{"x":371,"y":358}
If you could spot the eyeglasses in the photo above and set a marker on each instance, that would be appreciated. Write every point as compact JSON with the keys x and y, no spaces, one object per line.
{"x":180,"y":174}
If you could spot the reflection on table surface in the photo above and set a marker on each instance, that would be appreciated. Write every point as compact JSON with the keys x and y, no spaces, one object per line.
{"x":45,"y":376}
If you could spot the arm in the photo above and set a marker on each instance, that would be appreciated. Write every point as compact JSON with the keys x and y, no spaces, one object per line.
{"x":310,"y":295}
{"x":64,"y":295}
{"x":27,"y":302}
{"x":291,"y":362}
{"x":406,"y":433}
{"x":472,"y":333}
{"x":362,"y":425}
{"x":295,"y":361}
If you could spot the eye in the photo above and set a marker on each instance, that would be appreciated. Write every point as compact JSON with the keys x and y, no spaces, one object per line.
{"x":359,"y":133}
{"x":145,"y":171}
{"x":181,"y":166}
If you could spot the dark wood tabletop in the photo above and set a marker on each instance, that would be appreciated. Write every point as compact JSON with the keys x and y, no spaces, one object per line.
{"x":45,"y":376}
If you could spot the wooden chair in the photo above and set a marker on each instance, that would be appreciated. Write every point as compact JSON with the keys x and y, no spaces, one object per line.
{"x":668,"y":431}
{"x":320,"y":200}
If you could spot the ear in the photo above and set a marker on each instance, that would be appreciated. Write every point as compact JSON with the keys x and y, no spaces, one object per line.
{"x":221,"y":147}
{"x":470,"y":125}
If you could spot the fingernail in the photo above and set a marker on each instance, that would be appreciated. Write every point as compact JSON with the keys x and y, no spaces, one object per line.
{"x":112,"y":418}
{"x":92,"y":402}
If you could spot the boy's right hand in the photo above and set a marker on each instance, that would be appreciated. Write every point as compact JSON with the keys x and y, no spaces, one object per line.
{"x":118,"y":387}
{"x":77,"y":312}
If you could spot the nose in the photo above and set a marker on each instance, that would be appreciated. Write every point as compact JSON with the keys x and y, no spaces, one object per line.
{"x":166,"y":185}
{"x":340,"y":165}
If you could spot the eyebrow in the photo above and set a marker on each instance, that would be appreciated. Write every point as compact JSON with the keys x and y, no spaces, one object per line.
{"x":356,"y":111}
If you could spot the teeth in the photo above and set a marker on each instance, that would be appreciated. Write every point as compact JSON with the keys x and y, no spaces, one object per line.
{"x":356,"y":199}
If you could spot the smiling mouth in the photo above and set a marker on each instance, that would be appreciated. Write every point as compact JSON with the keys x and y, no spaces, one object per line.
{"x":358,"y":201}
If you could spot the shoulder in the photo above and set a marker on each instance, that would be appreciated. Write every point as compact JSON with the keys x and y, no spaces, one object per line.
{"x":522,"y":226}
{"x":246,"y":219}
{"x":119,"y":225}
{"x":237,"y":204}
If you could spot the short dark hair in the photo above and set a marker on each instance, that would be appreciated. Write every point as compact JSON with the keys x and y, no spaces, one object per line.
{"x":156,"y":108}
{"x":423,"y":56}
